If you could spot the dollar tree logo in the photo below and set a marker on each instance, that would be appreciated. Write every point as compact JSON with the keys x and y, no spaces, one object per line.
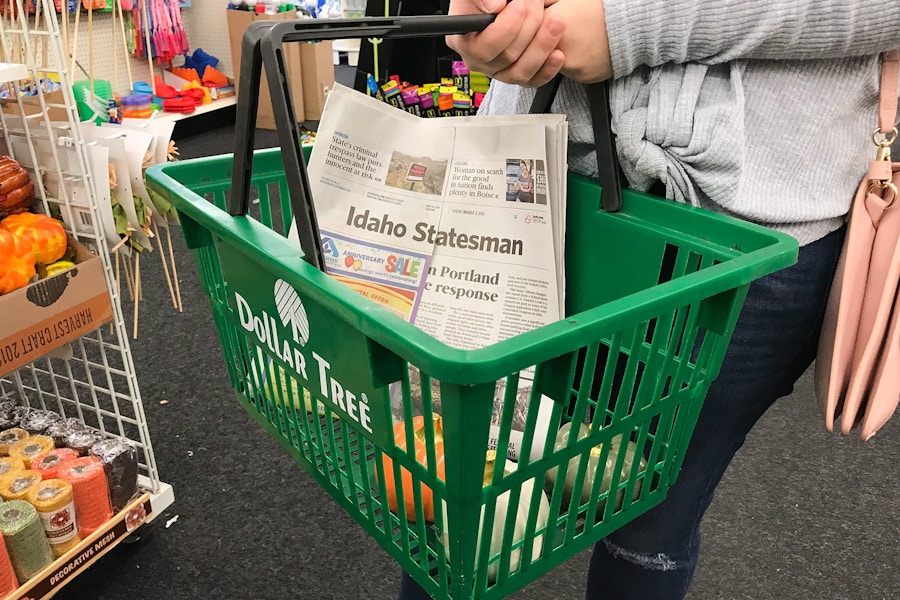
{"x":292,"y":311}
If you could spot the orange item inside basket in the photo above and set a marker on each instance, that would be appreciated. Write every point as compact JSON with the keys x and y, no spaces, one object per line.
{"x":214,"y":78}
{"x":8,"y":581}
{"x":91,"y":492}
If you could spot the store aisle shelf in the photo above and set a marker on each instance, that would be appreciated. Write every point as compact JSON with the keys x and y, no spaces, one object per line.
{"x":200,"y":110}
{"x":92,"y":377}
{"x":61,"y":571}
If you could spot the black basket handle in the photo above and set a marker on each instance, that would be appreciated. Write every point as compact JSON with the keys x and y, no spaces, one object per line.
{"x":262,"y":45}
{"x":605,"y":146}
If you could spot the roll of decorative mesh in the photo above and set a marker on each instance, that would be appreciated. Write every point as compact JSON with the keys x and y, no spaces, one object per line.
{"x":55,"y":503}
{"x":29,"y":549}
{"x":15,"y":485}
{"x":48,"y":464}
{"x":120,"y":460}
{"x":30,"y":447}
{"x":88,"y":478}
{"x":8,"y":437}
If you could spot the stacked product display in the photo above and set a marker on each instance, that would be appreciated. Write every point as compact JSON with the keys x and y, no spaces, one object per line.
{"x":59,"y":482}
{"x":458,"y":95}
{"x":77,"y":470}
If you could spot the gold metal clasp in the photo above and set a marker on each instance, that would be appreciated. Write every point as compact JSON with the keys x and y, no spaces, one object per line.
{"x":890,"y":187}
{"x":888,"y":191}
{"x":884,"y":141}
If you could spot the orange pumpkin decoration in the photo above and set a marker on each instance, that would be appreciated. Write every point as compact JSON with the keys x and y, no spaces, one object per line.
{"x":16,"y":188}
{"x":16,"y":263}
{"x":405,"y":476}
{"x":44,"y":235}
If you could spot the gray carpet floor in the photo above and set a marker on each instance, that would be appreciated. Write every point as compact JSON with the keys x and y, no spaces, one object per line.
{"x":801,"y":514}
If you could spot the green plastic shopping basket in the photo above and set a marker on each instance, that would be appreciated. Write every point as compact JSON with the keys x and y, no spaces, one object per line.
{"x":653,"y":292}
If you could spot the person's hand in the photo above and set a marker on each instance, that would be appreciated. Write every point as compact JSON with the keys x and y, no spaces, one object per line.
{"x":519,"y":47}
{"x":584,"y":44}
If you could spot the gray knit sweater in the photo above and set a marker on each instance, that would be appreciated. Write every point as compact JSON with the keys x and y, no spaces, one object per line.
{"x":758,"y":109}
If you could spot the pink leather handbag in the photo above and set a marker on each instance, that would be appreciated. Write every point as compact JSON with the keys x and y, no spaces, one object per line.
{"x":857,"y":372}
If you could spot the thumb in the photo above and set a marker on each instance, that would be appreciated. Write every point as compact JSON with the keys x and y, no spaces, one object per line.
{"x":492,"y":6}
{"x":475,"y":7}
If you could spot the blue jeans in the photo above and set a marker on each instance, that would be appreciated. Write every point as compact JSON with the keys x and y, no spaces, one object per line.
{"x":654,"y":556}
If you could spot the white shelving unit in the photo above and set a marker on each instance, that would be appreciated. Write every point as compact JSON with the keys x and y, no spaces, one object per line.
{"x":204,"y":24}
{"x":12,"y":71}
{"x":94,"y":378}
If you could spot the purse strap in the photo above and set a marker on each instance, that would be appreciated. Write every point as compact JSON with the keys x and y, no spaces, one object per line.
{"x":880,"y":169}
{"x":890,"y":90}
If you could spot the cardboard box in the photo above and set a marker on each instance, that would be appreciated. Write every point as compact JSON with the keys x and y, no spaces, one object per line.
{"x":226,"y":91}
{"x":317,"y":71}
{"x":54,"y":311}
{"x":32,"y":106}
{"x":238,"y":21}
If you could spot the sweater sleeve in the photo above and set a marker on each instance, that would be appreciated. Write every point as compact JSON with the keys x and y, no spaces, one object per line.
{"x":655,"y":32}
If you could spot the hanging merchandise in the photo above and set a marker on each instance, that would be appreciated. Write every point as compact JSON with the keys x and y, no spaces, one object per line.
{"x":130,"y":33}
{"x":159,"y":26}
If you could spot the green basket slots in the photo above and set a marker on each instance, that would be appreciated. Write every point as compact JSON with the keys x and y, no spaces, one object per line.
{"x":653,"y":294}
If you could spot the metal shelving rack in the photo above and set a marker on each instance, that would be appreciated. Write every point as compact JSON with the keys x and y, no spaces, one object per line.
{"x":93,"y":378}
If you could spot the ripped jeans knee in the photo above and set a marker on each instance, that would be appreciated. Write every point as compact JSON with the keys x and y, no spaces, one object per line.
{"x":653,"y":561}
{"x":657,"y":571}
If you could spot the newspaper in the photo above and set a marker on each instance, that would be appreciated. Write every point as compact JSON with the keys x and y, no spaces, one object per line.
{"x":454,"y":224}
